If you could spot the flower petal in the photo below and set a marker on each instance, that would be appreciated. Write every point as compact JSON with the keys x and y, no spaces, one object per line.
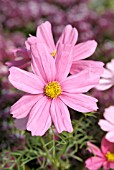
{"x":25,"y":81}
{"x":23,"y":106}
{"x":94,"y":149}
{"x":106,"y":165}
{"x":21,"y":52}
{"x":60,"y":116}
{"x":84,"y":50}
{"x":18,"y":63}
{"x":104,"y":84}
{"x":109,"y":114}
{"x":110,"y":136}
{"x":21,"y":60}
{"x":76,"y":83}
{"x":30,"y":41}
{"x":39,"y":119}
{"x":111,"y":165}
{"x":69,"y":36}
{"x":105,"y":125}
{"x":107,"y":146}
{"x":110,"y":66}
{"x":44,"y":35}
{"x":94,"y":163}
{"x":79,"y":102}
{"x":63,"y":61}
{"x":107,"y":74}
{"x":42,"y":62}
{"x":21,"y":123}
{"x":95,"y":68}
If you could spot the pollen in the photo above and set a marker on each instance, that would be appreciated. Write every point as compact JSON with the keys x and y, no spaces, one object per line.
{"x":53,"y":53}
{"x":110,"y":156}
{"x":53,"y":89}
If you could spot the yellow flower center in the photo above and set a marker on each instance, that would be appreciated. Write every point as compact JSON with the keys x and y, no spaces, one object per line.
{"x":110,"y":156}
{"x":53,"y":53}
{"x":53,"y":89}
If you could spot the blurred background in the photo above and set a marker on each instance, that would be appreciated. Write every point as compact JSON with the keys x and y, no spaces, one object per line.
{"x":94,"y":19}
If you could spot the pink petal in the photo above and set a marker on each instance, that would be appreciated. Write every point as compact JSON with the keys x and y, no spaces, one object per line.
{"x":107,"y":74}
{"x":18,"y":63}
{"x":109,"y":114}
{"x":95,"y":68}
{"x":105,"y":165}
{"x":110,"y":136}
{"x":63,"y":61}
{"x":105,"y":125}
{"x":21,"y":52}
{"x":23,"y":106}
{"x":60,"y":116}
{"x":79,"y":102}
{"x":94,"y":163}
{"x":30,"y":41}
{"x":104,"y":84}
{"x":39,"y":119}
{"x":111,"y":165}
{"x":84,"y":50}
{"x":69,"y":36}
{"x":107,"y":146}
{"x":94,"y":149}
{"x":21,"y":123}
{"x":110,"y":66}
{"x":25,"y":81}
{"x":42,"y":62}
{"x":44,"y":35}
{"x":22,"y":58}
{"x":75,"y":83}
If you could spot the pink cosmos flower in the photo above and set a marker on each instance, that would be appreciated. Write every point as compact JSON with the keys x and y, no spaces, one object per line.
{"x":108,"y":124}
{"x":50,"y":91}
{"x":107,"y":80}
{"x":68,"y":36}
{"x":103,"y":157}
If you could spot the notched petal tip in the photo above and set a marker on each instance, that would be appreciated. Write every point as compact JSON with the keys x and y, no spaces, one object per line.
{"x":47,"y":22}
{"x":70,"y":130}
{"x":36,"y":134}
{"x":11,"y":70}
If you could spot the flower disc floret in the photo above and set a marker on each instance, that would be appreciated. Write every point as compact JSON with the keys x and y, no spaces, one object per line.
{"x":110,"y":156}
{"x":53,"y":89}
{"x":53,"y":53}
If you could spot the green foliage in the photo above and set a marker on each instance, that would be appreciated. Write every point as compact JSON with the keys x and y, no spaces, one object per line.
{"x":52,"y":151}
{"x":102,"y":5}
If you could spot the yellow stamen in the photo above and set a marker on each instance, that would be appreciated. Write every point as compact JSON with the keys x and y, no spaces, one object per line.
{"x":53,"y":53}
{"x":53,"y":89}
{"x":110,"y":156}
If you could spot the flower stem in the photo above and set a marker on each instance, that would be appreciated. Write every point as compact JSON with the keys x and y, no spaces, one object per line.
{"x":50,"y":158}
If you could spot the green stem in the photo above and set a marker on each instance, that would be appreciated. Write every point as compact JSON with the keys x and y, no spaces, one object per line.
{"x":45,"y":148}
{"x":48,"y":155}
{"x":53,"y":144}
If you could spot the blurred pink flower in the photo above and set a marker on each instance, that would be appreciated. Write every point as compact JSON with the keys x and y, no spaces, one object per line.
{"x":107,"y":80}
{"x":103,"y":157}
{"x":21,"y":58}
{"x":108,"y":124}
{"x":50,"y":91}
